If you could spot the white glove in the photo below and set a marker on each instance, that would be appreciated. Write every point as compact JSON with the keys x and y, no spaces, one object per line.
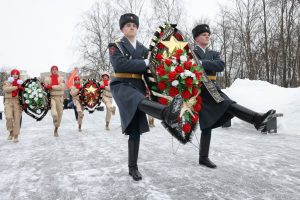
{"x":20,"y":82}
{"x":10,"y":79}
{"x":146,"y":62}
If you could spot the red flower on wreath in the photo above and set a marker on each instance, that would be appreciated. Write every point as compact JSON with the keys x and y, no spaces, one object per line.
{"x":161,"y":71}
{"x":173,"y":91}
{"x":163,"y":101}
{"x":195,"y":118}
{"x":186,"y":94}
{"x":187,"y":65}
{"x":194,"y":91}
{"x":179,"y":69}
{"x":199,"y":99}
{"x":161,"y":85}
{"x":179,"y":52}
{"x":198,"y":75}
{"x":172,"y":76}
{"x":168,"y":62}
{"x":160,"y":46}
{"x":186,"y":128}
{"x":197,"y":107}
{"x":159,"y":57}
{"x":189,"y":82}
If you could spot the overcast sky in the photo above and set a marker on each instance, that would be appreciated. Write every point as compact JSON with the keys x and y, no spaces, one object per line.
{"x":36,"y":34}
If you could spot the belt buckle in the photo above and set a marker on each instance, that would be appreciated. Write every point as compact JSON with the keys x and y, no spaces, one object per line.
{"x":132,"y":75}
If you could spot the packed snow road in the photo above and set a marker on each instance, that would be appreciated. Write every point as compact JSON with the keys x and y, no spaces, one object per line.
{"x":93,"y":164}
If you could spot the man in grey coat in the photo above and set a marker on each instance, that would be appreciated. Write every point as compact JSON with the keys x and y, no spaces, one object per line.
{"x":213,"y":114}
{"x":129,"y":60}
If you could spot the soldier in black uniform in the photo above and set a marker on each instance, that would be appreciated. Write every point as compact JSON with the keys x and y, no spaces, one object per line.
{"x":129,"y":60}
{"x":214,"y":114}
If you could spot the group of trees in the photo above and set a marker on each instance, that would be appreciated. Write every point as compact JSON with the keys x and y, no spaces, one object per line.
{"x":258,"y":39}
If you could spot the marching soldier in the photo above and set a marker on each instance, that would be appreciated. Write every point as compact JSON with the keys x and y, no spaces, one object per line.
{"x":56,"y":85}
{"x":75,"y":90}
{"x":12,"y":107}
{"x":107,"y":98}
{"x":212,"y":114}
{"x":129,"y":60}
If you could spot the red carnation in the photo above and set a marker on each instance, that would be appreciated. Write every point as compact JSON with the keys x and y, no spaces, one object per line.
{"x":173,"y":91}
{"x":163,"y":101}
{"x":178,"y":36}
{"x":172,"y":76}
{"x":197,"y":107}
{"x":160,"y":46}
{"x":186,"y":128}
{"x":161,"y":71}
{"x":187,"y":65}
{"x":168,"y":62}
{"x":198,"y":75}
{"x":159,"y":56}
{"x":199,"y":99}
{"x":186,"y":94}
{"x":195,"y":118}
{"x":179,"y":52}
{"x":189,"y":82}
{"x":161,"y":85}
{"x":194,"y":91}
{"x":179,"y":69}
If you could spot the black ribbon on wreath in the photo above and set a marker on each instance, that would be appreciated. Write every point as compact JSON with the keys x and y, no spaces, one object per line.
{"x":90,"y":95}
{"x":34,"y":99}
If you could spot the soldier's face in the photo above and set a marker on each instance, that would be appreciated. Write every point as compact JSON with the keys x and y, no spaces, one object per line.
{"x":130,"y":30}
{"x":203,"y":39}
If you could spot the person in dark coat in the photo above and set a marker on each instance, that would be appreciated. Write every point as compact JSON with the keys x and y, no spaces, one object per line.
{"x":129,"y":60}
{"x":212,"y":114}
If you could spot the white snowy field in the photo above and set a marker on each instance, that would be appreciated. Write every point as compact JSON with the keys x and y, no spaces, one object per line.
{"x":93,"y":164}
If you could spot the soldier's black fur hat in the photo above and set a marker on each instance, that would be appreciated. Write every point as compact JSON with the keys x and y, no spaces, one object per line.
{"x":128,"y":18}
{"x":202,"y":28}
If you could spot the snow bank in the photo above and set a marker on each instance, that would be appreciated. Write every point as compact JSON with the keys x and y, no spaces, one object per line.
{"x":262,"y":96}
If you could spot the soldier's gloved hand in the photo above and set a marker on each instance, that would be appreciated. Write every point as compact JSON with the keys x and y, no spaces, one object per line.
{"x":20,"y":82}
{"x":146,"y":62}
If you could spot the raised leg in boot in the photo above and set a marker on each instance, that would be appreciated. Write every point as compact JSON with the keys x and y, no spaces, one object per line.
{"x":204,"y":149}
{"x":169,"y":114}
{"x":259,"y":120}
{"x":133,"y":152}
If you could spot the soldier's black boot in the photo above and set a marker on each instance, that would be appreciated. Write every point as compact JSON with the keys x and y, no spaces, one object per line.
{"x":204,"y":149}
{"x":169,"y":114}
{"x":133,"y":151}
{"x":259,"y":120}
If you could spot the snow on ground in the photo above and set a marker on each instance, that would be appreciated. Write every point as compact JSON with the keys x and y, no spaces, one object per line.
{"x":93,"y":164}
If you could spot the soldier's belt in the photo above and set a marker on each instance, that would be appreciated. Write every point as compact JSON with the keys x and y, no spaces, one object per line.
{"x":212,"y":78}
{"x":127,"y":75}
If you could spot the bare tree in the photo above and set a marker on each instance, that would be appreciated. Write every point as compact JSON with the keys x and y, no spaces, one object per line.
{"x":99,"y":28}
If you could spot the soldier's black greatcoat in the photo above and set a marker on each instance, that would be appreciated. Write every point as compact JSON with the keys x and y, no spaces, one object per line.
{"x":128,"y":92}
{"x":212,"y":114}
